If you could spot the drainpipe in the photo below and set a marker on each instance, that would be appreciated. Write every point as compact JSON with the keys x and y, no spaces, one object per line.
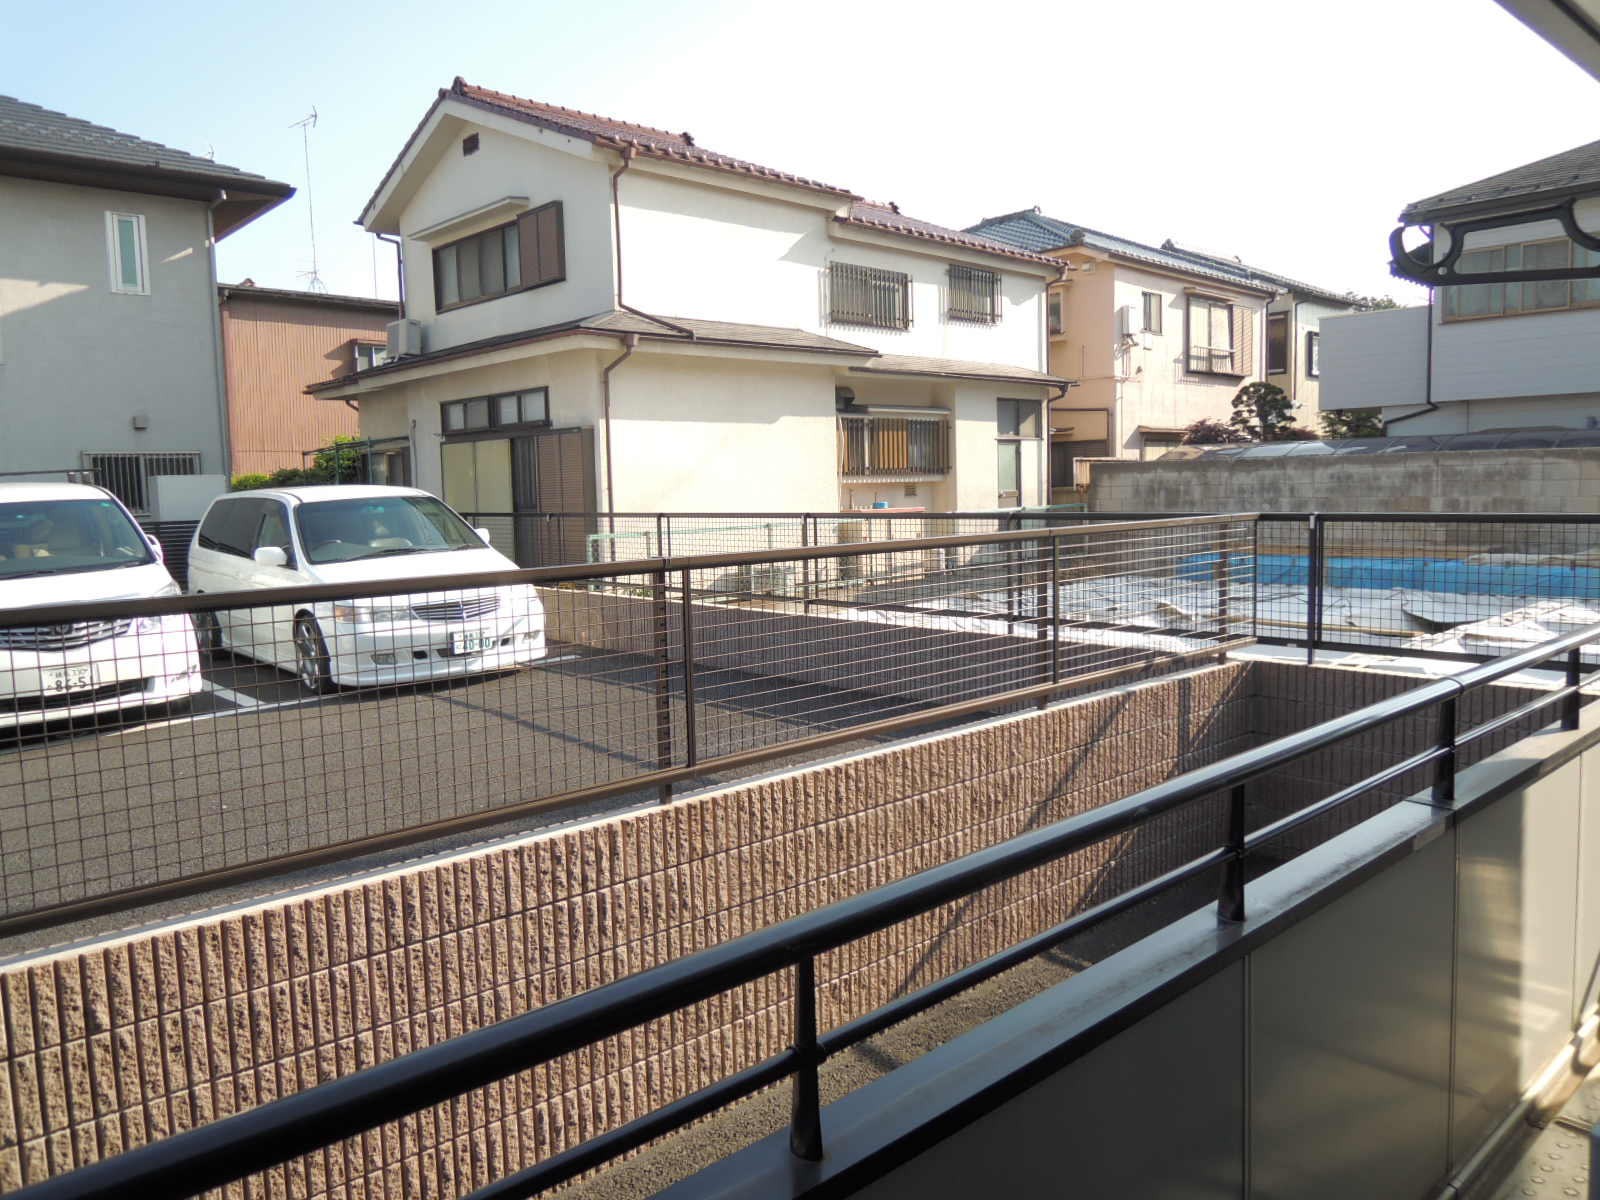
{"x":616,"y":238}
{"x":1427,"y":383}
{"x":219,"y":369}
{"x":630,"y":343}
{"x":399,"y":268}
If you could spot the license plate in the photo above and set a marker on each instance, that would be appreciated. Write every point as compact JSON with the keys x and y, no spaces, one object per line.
{"x":68,"y":679}
{"x":472,"y":642}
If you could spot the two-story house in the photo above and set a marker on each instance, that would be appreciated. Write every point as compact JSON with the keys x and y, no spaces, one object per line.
{"x":601,"y":315}
{"x":274,"y":343}
{"x":1488,"y":354}
{"x":1158,"y":337}
{"x":110,"y":352}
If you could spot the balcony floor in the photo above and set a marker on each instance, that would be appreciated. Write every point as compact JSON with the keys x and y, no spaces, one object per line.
{"x":1553,"y":1161}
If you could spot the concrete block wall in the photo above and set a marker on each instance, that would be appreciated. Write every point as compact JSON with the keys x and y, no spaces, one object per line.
{"x":110,"y":1045}
{"x":1473,"y":481}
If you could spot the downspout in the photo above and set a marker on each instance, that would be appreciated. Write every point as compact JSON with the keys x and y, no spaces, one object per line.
{"x":630,"y":343}
{"x":616,"y":240}
{"x":219,"y":368}
{"x":1427,"y":382}
{"x":399,"y":269}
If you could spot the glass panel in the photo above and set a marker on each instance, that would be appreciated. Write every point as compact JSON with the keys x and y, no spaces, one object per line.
{"x":507,"y":406}
{"x":467,"y":264}
{"x":1027,"y":418}
{"x":536,"y":405}
{"x":491,"y":264}
{"x":1547,"y":256}
{"x":513,"y":257}
{"x":128,"y":253}
{"x":453,"y":416}
{"x":444,"y":265}
{"x":478,"y":414}
{"x":1009,"y":465}
{"x":1007,"y":418}
{"x":1586,"y":291}
{"x":1221,"y":337}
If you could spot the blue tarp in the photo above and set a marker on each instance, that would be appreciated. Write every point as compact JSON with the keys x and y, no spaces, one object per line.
{"x":1414,"y":574}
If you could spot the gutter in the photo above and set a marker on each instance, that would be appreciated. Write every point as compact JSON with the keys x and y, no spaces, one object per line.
{"x":630,"y":343}
{"x":616,"y":238}
{"x":399,"y":269}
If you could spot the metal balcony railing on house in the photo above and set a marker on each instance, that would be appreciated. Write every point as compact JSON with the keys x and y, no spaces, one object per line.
{"x":233,"y":1148}
{"x":879,"y":446}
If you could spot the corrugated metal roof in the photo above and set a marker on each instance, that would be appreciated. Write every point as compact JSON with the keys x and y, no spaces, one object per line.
{"x":28,"y":127}
{"x":1574,"y":169}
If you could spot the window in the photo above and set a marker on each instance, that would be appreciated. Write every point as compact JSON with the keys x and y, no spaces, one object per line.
{"x":1057,"y":323}
{"x":370,"y":354}
{"x":125,"y":245}
{"x":527,"y":253}
{"x":869,"y":296}
{"x":274,"y":530}
{"x":882,"y":446}
{"x":1016,"y":423}
{"x":495,"y":412}
{"x":1501,"y":299}
{"x":1313,"y":354}
{"x":1152,"y":312}
{"x":974,"y":294}
{"x":230,"y":526}
{"x":1277,"y":343}
{"x":1017,"y":418}
{"x":1218,"y":337}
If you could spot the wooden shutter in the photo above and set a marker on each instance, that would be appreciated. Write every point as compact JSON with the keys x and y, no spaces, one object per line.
{"x":1244,"y":340}
{"x":541,"y":245}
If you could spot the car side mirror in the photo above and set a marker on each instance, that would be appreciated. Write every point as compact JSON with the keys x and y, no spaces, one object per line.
{"x":270,"y":556}
{"x":155,"y":547}
{"x":483,"y":535}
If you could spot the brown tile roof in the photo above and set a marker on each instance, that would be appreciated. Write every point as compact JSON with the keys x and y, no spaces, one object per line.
{"x":954,"y":368}
{"x":657,"y":143}
{"x":680,"y":147}
{"x":890,"y":219}
{"x":718,"y":333}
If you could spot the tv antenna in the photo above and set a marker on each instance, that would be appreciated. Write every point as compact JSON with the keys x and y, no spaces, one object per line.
{"x":305,"y":125}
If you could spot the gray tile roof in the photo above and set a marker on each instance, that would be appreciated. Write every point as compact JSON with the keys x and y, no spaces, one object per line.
{"x":1032,"y":230}
{"x":1570,"y":171}
{"x":29,"y":129}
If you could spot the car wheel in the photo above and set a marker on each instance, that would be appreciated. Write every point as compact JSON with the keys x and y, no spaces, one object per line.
{"x":207,"y":631}
{"x":311,"y":656}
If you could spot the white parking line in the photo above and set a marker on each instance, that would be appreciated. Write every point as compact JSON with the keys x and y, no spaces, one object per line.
{"x":237,"y":699}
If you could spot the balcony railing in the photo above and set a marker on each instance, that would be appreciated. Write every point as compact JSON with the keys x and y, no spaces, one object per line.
{"x":881,"y":447}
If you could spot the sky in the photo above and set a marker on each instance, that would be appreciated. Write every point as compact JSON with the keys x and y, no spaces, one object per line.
{"x":1285,"y":132}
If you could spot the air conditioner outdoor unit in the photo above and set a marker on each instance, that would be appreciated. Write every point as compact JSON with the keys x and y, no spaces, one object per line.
{"x":405,"y":337}
{"x":1128,"y":321}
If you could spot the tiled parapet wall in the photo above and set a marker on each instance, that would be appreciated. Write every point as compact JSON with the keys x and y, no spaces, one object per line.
{"x":111,"y":1045}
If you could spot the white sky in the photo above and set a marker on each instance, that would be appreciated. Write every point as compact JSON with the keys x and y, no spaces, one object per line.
{"x":1286,"y":132}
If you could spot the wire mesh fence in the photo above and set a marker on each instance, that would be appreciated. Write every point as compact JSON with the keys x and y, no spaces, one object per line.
{"x":154,"y":747}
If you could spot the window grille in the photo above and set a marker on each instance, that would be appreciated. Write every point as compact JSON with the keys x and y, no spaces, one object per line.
{"x":893,"y":447}
{"x":127,"y":476}
{"x":869,"y":296}
{"x":974,"y":294}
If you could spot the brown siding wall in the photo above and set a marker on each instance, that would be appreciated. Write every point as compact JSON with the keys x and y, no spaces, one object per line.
{"x":113,"y":1045}
{"x":273,"y":349}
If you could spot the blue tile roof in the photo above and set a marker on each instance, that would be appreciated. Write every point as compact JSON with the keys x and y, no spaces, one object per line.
{"x":1032,"y":230}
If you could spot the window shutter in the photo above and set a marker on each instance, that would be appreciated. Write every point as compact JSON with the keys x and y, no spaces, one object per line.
{"x":540,"y":245}
{"x":1243,"y":339}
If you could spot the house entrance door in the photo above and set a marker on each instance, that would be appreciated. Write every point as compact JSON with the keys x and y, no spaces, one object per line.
{"x":552,"y":474}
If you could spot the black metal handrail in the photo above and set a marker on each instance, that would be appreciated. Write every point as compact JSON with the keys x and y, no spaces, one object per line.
{"x":237,"y":1146}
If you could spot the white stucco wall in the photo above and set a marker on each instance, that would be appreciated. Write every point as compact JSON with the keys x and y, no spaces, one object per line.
{"x":78,"y":360}
{"x":1155,"y":386}
{"x":519,"y":161}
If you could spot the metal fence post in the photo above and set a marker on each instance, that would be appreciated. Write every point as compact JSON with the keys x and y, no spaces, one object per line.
{"x":661,"y":544}
{"x":1570,"y":706}
{"x":805,"y":1123}
{"x":1219,"y":571}
{"x":1055,"y":610}
{"x":663,"y":652}
{"x":1230,"y":901}
{"x":1255,"y":578}
{"x":1313,"y":586}
{"x":805,"y":563}
{"x":691,"y":747}
{"x":1444,"y":769}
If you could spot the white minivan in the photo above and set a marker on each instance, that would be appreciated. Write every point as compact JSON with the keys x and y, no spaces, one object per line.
{"x":69,"y":542}
{"x":355,"y":534}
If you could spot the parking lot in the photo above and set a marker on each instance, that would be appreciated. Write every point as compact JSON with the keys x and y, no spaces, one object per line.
{"x":257,"y":769}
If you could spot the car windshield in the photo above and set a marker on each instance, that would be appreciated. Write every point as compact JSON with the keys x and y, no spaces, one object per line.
{"x":59,"y":537}
{"x":378,"y":526}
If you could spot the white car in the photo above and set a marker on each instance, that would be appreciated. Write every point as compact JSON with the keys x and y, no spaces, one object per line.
{"x":287,"y":537}
{"x":66,"y":543}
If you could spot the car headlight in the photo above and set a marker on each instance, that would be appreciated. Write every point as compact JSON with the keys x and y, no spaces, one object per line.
{"x":362,"y":614}
{"x":157,"y":624}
